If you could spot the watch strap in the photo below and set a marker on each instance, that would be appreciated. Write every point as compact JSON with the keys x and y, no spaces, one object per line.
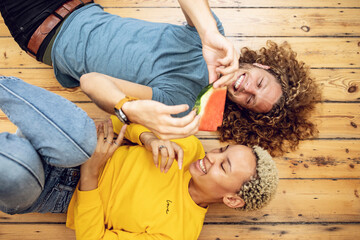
{"x":124,"y":100}
{"x":118,"y":111}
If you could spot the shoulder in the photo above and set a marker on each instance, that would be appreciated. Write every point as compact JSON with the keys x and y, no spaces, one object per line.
{"x":192,"y":147}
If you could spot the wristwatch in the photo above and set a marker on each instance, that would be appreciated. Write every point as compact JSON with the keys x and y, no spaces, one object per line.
{"x":121,"y":116}
{"x":119,"y":112}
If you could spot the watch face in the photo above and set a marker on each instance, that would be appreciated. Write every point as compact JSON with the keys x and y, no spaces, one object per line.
{"x":121,"y":115}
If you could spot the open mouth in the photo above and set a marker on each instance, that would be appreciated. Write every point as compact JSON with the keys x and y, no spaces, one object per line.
{"x":239,"y":82}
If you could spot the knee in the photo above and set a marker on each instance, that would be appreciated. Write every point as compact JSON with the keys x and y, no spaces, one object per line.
{"x":80,"y":148}
{"x":21,"y":174}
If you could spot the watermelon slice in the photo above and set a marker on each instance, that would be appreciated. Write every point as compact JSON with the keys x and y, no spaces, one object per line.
{"x":210,"y":105}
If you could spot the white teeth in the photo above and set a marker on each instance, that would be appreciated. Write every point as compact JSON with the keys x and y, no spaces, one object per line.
{"x":238,"y":82}
{"x":202,"y":165}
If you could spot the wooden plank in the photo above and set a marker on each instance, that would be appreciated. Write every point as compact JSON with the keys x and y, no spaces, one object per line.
{"x":11,"y":56}
{"x":258,"y":22}
{"x":312,"y":200}
{"x":315,"y":52}
{"x":334,"y":120}
{"x":281,"y":231}
{"x":32,"y":217}
{"x":338,"y":84}
{"x":35,"y":232}
{"x":223,"y":232}
{"x":209,"y":232}
{"x":264,"y":22}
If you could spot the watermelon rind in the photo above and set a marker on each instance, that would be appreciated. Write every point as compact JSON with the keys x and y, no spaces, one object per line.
{"x":202,"y":98}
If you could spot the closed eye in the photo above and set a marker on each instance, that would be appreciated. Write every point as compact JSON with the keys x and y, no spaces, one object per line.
{"x":222,"y":167}
{"x":249,"y":99}
{"x":259,"y":85}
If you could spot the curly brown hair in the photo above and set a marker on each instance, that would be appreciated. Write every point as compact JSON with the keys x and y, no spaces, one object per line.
{"x":288,"y":122}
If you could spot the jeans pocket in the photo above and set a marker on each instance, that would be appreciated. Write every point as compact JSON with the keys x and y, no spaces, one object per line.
{"x":57,"y":200}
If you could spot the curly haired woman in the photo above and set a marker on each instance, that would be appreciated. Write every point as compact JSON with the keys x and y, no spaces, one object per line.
{"x":288,"y":122}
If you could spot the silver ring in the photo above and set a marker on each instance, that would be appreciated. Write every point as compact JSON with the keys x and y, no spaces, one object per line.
{"x":116,"y":143}
{"x":105,"y":140}
{"x":161,"y":147}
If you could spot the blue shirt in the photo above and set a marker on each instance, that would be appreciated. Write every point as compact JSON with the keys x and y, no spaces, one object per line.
{"x":166,"y":57}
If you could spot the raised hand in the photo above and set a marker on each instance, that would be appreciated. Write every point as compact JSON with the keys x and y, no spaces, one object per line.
{"x":105,"y":148}
{"x":221,"y":58}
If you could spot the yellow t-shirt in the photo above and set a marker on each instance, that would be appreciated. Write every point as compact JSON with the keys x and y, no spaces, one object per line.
{"x":134,"y":200}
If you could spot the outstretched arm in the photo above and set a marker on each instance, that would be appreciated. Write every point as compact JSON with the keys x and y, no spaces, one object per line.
{"x":107,"y":91}
{"x":219,"y":53}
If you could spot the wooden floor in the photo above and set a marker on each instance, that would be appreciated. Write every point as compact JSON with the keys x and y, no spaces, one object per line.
{"x":319,"y":190}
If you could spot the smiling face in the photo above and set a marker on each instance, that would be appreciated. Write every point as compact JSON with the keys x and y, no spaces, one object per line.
{"x":223,"y":171}
{"x":255,"y":89}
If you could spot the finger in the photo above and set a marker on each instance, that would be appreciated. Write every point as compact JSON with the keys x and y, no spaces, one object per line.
{"x":155,"y":151}
{"x":176,"y":109}
{"x":101,"y":131}
{"x":176,"y":136}
{"x":97,"y":130}
{"x":231,"y":69}
{"x":213,"y":75}
{"x":180,"y":155}
{"x":110,"y":131}
{"x":183,"y":121}
{"x":226,"y":61}
{"x":224,"y":80}
{"x":230,"y":64}
{"x":230,"y":55}
{"x":100,"y":138}
{"x":164,"y":155}
{"x":171,"y":156}
{"x":181,"y":132}
{"x":120,"y":137}
{"x":105,"y":129}
{"x":168,"y":165}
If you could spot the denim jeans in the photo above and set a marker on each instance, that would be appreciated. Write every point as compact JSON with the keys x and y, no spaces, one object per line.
{"x":39,"y":172}
{"x":23,"y":17}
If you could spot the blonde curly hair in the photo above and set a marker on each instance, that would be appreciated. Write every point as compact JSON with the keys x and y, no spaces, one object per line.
{"x":262,"y":187}
{"x":288,"y":122}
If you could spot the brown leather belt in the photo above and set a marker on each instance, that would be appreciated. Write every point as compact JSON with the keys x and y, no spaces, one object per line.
{"x":51,"y":22}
